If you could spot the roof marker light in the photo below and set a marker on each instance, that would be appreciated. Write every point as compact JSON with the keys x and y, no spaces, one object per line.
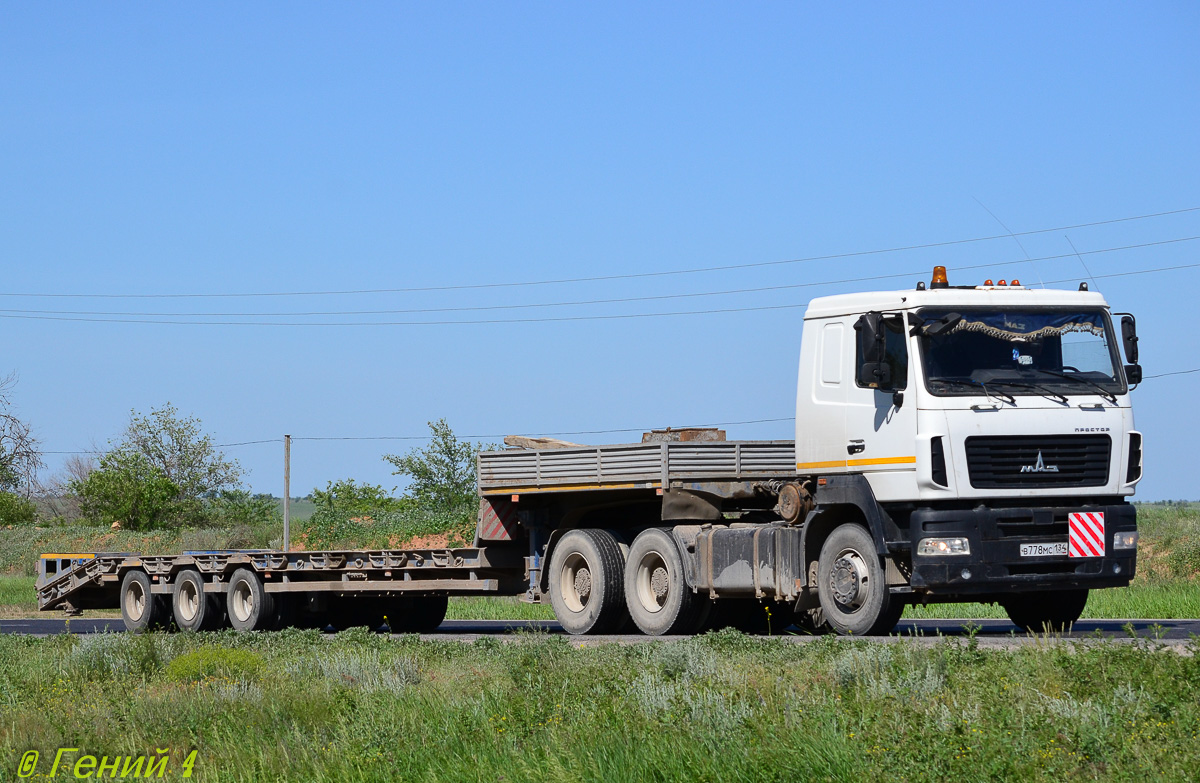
{"x":987,"y":282}
{"x":1002,"y":283}
{"x":1015,"y":282}
{"x":939,"y":278}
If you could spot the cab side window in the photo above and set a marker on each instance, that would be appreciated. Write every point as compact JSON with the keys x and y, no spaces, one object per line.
{"x":895,"y":353}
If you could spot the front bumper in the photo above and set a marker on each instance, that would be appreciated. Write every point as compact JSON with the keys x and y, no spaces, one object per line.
{"x":995,"y":564}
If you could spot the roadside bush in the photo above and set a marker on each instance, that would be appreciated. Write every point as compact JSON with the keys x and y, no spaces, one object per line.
{"x":239,"y":507}
{"x":16,"y":510}
{"x":127,"y":488}
{"x":331,"y":530}
{"x":348,"y":498}
{"x":215,"y":662}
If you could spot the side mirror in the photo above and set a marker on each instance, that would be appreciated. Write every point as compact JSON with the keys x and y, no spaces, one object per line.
{"x":873,"y":371}
{"x":1129,"y":339}
{"x":871,"y":335}
{"x":1133,"y":374}
{"x":875,"y":374}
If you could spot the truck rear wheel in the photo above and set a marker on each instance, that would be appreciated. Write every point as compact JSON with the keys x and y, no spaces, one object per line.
{"x":250,"y":607}
{"x":140,"y":609}
{"x":417,"y":614}
{"x":1049,"y":612}
{"x":192,"y":608}
{"x":656,"y":590}
{"x":851,"y":585}
{"x":586,"y":582}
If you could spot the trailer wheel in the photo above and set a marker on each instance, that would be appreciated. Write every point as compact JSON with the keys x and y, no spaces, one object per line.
{"x":192,"y":609}
{"x":586,"y":586}
{"x":140,"y":609}
{"x":852,"y":587}
{"x":1053,"y":612}
{"x":656,"y":590}
{"x":250,"y":607}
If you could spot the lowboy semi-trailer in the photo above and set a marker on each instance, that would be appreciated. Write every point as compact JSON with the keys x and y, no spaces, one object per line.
{"x":952,"y":443}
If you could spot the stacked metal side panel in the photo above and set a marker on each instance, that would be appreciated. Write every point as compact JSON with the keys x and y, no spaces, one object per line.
{"x":638,"y":463}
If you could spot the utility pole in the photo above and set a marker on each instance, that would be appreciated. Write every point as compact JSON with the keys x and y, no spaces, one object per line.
{"x":287,"y":492}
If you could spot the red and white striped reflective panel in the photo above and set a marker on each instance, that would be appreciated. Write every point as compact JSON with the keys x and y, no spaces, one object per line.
{"x":1087,"y":534}
{"x":497,"y":519}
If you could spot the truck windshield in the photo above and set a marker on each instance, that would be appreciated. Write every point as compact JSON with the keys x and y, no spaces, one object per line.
{"x":1018,"y":352}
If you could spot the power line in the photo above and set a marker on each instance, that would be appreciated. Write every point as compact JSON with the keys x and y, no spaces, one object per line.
{"x":1165,"y":374}
{"x":114,"y":315}
{"x":629,"y":276}
{"x":554,"y":319}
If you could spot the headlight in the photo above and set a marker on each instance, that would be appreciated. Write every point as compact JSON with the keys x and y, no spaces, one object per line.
{"x":1125,"y":540}
{"x":944,"y":546}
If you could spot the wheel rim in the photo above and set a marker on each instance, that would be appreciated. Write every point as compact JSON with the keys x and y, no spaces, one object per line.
{"x":653,"y":582}
{"x":242,"y":605}
{"x":850,"y":580}
{"x":135,"y":601}
{"x":575,"y":583}
{"x":189,"y":601}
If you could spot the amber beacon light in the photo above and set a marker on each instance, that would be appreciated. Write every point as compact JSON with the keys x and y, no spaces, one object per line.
{"x":939,"y":278}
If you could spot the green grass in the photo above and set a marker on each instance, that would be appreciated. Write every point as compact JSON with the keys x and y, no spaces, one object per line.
{"x":17,"y":590}
{"x":486,"y":608}
{"x":358,"y":707}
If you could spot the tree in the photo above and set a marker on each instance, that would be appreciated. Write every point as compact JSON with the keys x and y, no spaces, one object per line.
{"x":442,"y":473}
{"x":165,"y":471}
{"x":20,"y":458}
{"x":20,"y":461}
{"x":182,"y":451}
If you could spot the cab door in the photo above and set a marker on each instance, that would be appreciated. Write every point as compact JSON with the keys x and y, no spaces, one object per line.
{"x":881,"y":416}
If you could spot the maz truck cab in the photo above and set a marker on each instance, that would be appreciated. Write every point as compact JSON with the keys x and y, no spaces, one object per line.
{"x":992,"y":427}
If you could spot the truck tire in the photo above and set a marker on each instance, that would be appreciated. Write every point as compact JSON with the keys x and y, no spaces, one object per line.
{"x":357,"y":611}
{"x":586,"y":582}
{"x":250,"y":607}
{"x":140,"y":609}
{"x":417,"y":614}
{"x":1049,"y":612}
{"x":656,"y":590}
{"x":852,"y":587}
{"x":192,"y":608}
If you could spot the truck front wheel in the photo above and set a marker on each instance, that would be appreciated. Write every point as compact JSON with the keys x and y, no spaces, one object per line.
{"x":851,"y":585}
{"x":660,"y":601}
{"x":1051,"y":612}
{"x":586,"y":582}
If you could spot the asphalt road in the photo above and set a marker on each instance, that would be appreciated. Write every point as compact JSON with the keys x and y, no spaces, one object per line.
{"x":991,"y":633}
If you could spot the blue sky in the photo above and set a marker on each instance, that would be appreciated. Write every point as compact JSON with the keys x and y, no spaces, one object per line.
{"x":313,"y":147}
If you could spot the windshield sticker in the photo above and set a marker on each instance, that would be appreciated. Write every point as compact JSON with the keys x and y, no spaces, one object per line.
{"x":1022,"y":359}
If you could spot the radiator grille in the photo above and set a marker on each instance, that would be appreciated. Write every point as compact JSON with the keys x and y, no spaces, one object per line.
{"x":1036,"y":461}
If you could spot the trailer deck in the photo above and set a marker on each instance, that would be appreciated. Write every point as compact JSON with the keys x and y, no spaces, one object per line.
{"x":92,"y":580}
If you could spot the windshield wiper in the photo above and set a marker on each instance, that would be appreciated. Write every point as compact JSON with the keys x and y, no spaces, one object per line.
{"x":1011,"y":400}
{"x":1037,"y":388}
{"x":1103,"y":392}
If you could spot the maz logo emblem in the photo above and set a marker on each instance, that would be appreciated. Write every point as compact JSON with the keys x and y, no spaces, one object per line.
{"x":1039,"y":466}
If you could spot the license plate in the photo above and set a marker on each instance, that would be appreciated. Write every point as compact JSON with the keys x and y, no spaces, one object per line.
{"x":1058,"y":549}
